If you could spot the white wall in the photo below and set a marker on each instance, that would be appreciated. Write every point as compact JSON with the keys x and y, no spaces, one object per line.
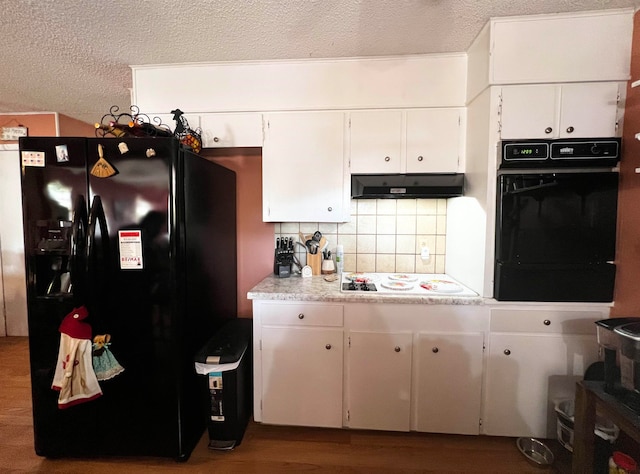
{"x":13,"y":317}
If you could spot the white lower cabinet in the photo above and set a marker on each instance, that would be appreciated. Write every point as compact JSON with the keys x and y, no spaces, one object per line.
{"x":298,"y":363}
{"x":535,"y":357}
{"x":379,"y":380}
{"x":302,"y":376}
{"x":448,"y":382}
{"x":436,"y":368}
{"x":414,"y":367}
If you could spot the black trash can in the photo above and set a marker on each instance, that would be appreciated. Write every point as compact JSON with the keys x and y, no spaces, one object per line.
{"x":226,"y":363}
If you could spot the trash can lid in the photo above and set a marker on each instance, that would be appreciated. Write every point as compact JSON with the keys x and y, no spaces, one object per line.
{"x":228,"y":343}
{"x":612,"y":323}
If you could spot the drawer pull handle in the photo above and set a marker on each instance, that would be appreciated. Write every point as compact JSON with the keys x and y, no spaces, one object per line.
{"x":507,"y":352}
{"x":546,"y":322}
{"x":397,"y":349}
{"x":301,"y":316}
{"x":548,"y":130}
{"x":387,"y":158}
{"x":216,"y":139}
{"x":570,"y":129}
{"x":435,"y":350}
{"x":327,"y":347}
{"x":420,"y":158}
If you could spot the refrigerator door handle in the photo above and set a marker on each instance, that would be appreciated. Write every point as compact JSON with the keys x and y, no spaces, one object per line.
{"x":78,"y":244}
{"x":96,"y":214}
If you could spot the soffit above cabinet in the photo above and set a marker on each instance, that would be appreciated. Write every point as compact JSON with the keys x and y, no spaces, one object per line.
{"x":392,"y":82}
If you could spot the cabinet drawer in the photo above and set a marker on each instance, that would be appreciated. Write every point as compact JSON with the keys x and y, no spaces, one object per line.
{"x":545,"y":321}
{"x":302,"y":314}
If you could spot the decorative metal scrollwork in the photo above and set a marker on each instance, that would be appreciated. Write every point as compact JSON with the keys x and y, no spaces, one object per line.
{"x":135,"y":124}
{"x":131,"y":124}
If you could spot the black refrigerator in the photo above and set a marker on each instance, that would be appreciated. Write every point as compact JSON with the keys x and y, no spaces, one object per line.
{"x":142,"y":233}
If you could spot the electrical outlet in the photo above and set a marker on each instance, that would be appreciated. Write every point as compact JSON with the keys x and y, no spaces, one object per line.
{"x":424,"y":252}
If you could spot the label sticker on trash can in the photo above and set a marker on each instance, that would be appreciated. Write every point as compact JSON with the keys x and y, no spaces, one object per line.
{"x":215,"y":390}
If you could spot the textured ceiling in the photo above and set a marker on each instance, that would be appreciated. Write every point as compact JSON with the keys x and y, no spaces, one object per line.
{"x":73,"y":56}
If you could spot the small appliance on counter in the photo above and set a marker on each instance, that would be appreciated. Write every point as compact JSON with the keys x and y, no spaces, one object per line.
{"x":283,"y":257}
{"x":610,"y":343}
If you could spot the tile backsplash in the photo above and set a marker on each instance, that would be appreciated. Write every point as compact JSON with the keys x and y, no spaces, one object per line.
{"x":384,"y":235}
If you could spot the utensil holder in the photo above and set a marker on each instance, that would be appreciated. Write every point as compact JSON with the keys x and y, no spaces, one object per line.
{"x":328,"y":266}
{"x":315,"y":262}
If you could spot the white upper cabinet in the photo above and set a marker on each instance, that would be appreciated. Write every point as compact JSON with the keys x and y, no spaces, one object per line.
{"x":435,"y":140}
{"x":376,"y":137}
{"x":553,"y":48}
{"x":304,"y":177}
{"x":591,"y":46}
{"x":409,"y":141}
{"x":231,"y":130}
{"x":560,"y":111}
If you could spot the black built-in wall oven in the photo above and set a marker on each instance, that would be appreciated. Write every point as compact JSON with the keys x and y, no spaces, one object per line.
{"x":556,"y":220}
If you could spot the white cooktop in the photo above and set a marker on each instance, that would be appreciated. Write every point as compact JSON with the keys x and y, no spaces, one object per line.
{"x":427,"y":284}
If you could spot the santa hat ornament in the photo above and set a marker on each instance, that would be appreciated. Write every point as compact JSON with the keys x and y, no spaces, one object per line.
{"x":74,"y":377}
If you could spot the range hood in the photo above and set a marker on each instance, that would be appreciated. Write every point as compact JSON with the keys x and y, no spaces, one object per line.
{"x":398,"y":186}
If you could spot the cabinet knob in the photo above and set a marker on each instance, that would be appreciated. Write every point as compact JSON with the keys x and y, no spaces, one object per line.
{"x":397,"y":348}
{"x":507,"y":352}
{"x":327,"y":347}
{"x":420,"y":158}
{"x":548,"y":130}
{"x":329,"y":209}
{"x":301,"y":316}
{"x":546,"y":322}
{"x":435,"y":350}
{"x":216,"y":139}
{"x":387,"y":158}
{"x":570,"y":129}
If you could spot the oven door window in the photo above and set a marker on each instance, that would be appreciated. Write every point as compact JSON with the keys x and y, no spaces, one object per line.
{"x":557,"y":218}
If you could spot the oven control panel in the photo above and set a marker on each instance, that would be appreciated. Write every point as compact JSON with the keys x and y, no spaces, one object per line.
{"x":559,"y":153}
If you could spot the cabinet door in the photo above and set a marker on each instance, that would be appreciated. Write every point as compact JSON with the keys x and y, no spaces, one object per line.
{"x":434,"y":140}
{"x":589,"y":110}
{"x":375,"y":138}
{"x":231,"y":130}
{"x":529,"y":111}
{"x":302,"y":376}
{"x":379,"y":380}
{"x":448,"y":383}
{"x":526,"y":374}
{"x":303,"y":169}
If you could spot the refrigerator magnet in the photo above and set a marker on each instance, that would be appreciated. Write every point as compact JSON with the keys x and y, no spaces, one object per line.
{"x":33,"y":158}
{"x":150,"y":152}
{"x":130,"y":246}
{"x":62,"y":154}
{"x":122,"y":146}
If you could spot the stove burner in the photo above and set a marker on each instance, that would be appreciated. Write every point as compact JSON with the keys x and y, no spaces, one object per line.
{"x":359,"y":286}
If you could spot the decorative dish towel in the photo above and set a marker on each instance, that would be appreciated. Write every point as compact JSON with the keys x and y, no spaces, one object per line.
{"x":74,"y":377}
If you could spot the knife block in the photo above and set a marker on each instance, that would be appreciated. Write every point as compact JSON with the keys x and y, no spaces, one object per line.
{"x":315,"y":262}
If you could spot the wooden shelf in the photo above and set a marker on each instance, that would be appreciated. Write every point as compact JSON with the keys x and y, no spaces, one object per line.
{"x":590,"y":396}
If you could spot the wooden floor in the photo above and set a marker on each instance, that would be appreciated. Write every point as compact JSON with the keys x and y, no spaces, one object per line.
{"x":265,"y":449}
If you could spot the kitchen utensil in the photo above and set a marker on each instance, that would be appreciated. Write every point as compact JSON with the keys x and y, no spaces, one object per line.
{"x":317,"y":235}
{"x":312,"y":246}
{"x":323,"y":243}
